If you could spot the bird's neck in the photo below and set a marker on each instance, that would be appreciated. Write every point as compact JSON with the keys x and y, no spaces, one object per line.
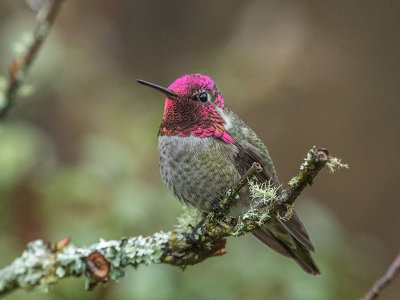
{"x":184,"y":118}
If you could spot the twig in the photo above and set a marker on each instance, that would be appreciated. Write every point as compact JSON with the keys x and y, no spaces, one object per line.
{"x":222,"y":207}
{"x":383,"y":281}
{"x":20,"y":65}
{"x":316,"y":159}
{"x":42,"y":264}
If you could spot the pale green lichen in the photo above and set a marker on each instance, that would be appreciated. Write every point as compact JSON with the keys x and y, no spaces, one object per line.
{"x":239,"y":228}
{"x":263,"y":193}
{"x":25,"y":90}
{"x":293,"y":182}
{"x":250,"y":214}
{"x":40,"y":266}
{"x":189,"y":218}
{"x":335,"y":163}
{"x":60,"y":272}
{"x":307,"y":164}
{"x":263,"y":218}
{"x":20,"y":47}
{"x":254,"y":214}
{"x":29,"y":269}
{"x":288,"y":212}
{"x":43,"y":29}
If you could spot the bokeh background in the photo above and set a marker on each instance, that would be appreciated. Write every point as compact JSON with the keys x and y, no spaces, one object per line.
{"x":78,"y":156}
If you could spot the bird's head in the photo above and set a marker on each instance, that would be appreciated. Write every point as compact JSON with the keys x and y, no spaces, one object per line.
{"x":193,"y":106}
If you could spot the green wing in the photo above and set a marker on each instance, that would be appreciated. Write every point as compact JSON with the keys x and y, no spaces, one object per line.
{"x":252,"y":149}
{"x":249,"y":142}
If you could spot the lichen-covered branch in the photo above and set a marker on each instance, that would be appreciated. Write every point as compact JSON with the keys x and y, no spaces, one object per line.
{"x":42,"y":264}
{"x":191,"y":242}
{"x":384,"y":281}
{"x":20,"y":64}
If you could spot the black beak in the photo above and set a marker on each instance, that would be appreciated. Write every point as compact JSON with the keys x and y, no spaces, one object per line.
{"x":164,"y":90}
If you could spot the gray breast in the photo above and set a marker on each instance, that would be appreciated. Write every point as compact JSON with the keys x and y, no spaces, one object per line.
{"x":197,"y":170}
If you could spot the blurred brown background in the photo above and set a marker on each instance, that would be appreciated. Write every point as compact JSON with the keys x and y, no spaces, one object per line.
{"x":78,"y":157}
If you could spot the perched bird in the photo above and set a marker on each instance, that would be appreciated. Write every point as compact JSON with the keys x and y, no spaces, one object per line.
{"x":204,"y":148}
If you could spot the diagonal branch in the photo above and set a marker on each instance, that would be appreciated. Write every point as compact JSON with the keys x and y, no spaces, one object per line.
{"x":42,"y":264}
{"x":383,"y":281}
{"x":21,"y":64}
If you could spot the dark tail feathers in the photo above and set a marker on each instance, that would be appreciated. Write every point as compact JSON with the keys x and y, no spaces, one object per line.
{"x":276,"y":237}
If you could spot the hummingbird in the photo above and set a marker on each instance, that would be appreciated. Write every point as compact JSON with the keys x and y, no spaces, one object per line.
{"x":204,"y":148}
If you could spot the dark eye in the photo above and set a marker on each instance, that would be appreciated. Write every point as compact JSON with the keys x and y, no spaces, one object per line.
{"x":203,"y":97}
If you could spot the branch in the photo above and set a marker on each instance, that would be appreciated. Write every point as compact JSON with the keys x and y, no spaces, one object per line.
{"x":21,"y":64}
{"x":42,"y":264}
{"x":383,"y":281}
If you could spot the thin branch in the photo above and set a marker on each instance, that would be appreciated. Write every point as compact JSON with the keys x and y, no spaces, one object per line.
{"x":21,"y":64}
{"x":42,"y":264}
{"x":222,"y":208}
{"x":383,"y":281}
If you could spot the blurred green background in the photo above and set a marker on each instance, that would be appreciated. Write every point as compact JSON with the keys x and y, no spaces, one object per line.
{"x":78,"y":157}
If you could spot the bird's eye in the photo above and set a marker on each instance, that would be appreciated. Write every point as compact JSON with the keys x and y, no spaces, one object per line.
{"x":203,"y":97}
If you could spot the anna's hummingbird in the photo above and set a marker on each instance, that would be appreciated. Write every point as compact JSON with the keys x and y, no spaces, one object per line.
{"x":204,"y":148}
